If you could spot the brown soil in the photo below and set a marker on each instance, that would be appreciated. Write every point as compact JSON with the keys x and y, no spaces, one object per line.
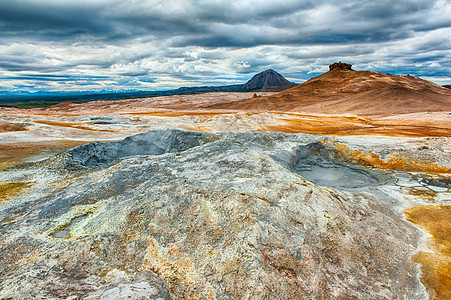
{"x":353,"y":125}
{"x":19,"y":151}
{"x":435,"y":265}
{"x":71,"y":125}
{"x":12,"y":127}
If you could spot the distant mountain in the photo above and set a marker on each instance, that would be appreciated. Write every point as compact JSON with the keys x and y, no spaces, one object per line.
{"x":207,"y":89}
{"x":343,"y":90}
{"x":268,"y":80}
{"x":447,"y":86}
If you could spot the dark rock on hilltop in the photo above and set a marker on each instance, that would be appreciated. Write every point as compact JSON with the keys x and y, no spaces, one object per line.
{"x":340,"y":66}
{"x":266,"y":80}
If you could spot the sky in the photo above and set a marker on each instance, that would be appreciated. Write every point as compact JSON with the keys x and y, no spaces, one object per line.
{"x":128,"y":45}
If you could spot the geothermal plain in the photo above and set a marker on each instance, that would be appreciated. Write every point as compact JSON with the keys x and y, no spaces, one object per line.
{"x":335,"y":188}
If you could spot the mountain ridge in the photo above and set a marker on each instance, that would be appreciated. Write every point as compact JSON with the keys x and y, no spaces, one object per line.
{"x":265,"y":81}
{"x":343,"y":90}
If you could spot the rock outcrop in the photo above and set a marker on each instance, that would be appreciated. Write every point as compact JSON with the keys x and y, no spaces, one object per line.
{"x":204,"y":216}
{"x":340,"y":66}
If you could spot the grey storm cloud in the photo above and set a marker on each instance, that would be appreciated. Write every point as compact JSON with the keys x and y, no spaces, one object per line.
{"x":177,"y":41}
{"x":216,"y":23}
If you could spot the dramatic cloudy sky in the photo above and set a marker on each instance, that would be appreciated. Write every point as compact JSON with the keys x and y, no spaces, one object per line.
{"x":107,"y":45}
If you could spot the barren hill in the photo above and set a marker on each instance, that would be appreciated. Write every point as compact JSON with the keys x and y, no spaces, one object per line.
{"x":343,"y":90}
{"x":268,"y":79}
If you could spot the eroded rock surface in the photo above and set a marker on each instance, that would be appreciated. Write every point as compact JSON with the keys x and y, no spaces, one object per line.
{"x":340,"y":66}
{"x":150,"y":143}
{"x":173,"y":214}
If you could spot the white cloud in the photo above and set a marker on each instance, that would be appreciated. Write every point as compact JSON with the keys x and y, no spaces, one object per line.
{"x":112,"y":44}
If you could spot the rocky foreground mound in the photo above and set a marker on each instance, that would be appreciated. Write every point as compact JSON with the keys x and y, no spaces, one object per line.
{"x":174,"y":214}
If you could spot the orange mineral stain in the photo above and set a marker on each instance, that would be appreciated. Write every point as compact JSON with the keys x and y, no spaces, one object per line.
{"x":435,"y":265}
{"x":396,"y":161}
{"x":17,"y":151}
{"x":71,"y":125}
{"x":11,"y":189}
{"x":12,"y":127}
{"x":174,"y":114}
{"x":354,"y":125}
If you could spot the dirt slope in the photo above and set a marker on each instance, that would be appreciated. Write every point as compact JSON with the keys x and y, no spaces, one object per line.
{"x":364,"y":93}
